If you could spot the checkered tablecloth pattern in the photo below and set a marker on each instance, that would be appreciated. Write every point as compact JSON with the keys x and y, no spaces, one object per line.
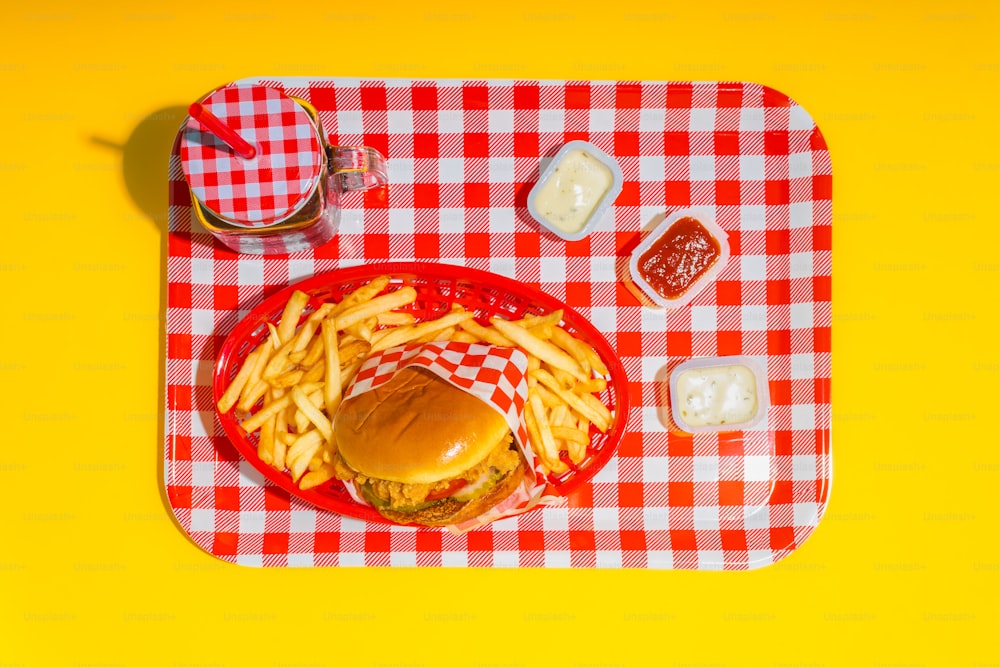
{"x":462,"y":156}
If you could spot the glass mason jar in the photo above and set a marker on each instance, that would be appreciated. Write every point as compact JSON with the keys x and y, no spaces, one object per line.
{"x":314,"y":190}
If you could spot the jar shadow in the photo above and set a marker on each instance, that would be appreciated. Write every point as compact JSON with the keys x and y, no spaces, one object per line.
{"x":146,"y":167}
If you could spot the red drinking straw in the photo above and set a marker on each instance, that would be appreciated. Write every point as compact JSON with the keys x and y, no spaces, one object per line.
{"x":242,"y":147}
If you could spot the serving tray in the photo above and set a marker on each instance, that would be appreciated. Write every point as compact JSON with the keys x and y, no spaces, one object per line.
{"x":462,"y":157}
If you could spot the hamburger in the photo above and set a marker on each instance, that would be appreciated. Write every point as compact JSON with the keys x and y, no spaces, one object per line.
{"x":422,"y":451}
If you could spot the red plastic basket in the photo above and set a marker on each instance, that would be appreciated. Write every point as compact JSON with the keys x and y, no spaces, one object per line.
{"x":438,"y":286}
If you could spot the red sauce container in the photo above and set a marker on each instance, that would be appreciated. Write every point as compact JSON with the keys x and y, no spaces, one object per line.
{"x":685,"y":252}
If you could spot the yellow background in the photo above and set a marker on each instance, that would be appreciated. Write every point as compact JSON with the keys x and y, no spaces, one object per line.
{"x":904,"y":568}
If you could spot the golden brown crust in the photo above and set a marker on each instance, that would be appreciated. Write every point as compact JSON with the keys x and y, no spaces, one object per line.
{"x":450,"y":511}
{"x":501,"y":460}
{"x":416,"y":429}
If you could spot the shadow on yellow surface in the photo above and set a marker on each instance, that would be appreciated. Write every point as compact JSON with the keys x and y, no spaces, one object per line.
{"x":145,"y":161}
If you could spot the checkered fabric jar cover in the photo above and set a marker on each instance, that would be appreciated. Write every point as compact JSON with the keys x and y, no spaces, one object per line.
{"x":273,"y":185}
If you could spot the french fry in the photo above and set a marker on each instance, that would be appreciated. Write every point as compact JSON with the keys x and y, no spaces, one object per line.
{"x":291,"y":315}
{"x":315,"y":373}
{"x":255,"y":421}
{"x":395,"y":318}
{"x":308,"y":328}
{"x":316,"y":477}
{"x":557,"y":414}
{"x":364,"y":293}
{"x":574,"y":347}
{"x":534,"y":362}
{"x":380,"y":304}
{"x":549,"y":399}
{"x":534,"y":436}
{"x":314,"y":353}
{"x":595,"y":360}
{"x":577,"y":452}
{"x":297,"y":421}
{"x":542,"y":331}
{"x":251,"y":395}
{"x":275,"y":340}
{"x":297,"y":467}
{"x":280,"y":362}
{"x":487,"y":334}
{"x":332,"y":392}
{"x":311,"y":412}
{"x":278,"y":461}
{"x":542,"y":349}
{"x":543,"y":443}
{"x":597,"y":407}
{"x":591,"y":386}
{"x":294,"y":417}
{"x":306,"y":444}
{"x":265,"y":446}
{"x":280,"y":449}
{"x":302,"y":451}
{"x":266,"y":347}
{"x":345,"y":337}
{"x":574,"y":402}
{"x":235,"y":388}
{"x":361,"y":331}
{"x":353,"y":350}
{"x":570,"y":435}
{"x":465,"y":337}
{"x":529,"y":321}
{"x":564,"y":379}
{"x":444,"y":335}
{"x":544,"y":428}
{"x":405,"y":334}
{"x":288,"y":379}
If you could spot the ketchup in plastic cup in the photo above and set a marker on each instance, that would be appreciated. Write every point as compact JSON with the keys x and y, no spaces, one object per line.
{"x":678,"y":259}
{"x":283,"y":196}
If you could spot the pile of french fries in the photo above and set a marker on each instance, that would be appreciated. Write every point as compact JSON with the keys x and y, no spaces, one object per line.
{"x":290,"y":385}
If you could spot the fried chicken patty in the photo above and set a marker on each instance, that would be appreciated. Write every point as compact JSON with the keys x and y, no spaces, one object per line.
{"x":398,"y":496}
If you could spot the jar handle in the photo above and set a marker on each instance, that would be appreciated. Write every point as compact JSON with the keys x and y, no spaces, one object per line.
{"x":357,"y":168}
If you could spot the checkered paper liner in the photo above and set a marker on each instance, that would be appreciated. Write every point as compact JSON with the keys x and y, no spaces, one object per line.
{"x":278,"y":180}
{"x":462,"y":156}
{"x":494,"y":375}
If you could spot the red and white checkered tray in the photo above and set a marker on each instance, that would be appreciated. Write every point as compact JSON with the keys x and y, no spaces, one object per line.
{"x":462,"y":156}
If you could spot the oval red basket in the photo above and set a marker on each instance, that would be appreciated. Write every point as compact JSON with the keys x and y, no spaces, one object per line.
{"x":438,"y":286}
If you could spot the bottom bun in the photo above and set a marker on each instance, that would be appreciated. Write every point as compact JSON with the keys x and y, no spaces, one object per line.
{"x":450,"y":511}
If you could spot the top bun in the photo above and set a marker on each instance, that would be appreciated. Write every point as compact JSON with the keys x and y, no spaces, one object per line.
{"x":417,"y":428}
